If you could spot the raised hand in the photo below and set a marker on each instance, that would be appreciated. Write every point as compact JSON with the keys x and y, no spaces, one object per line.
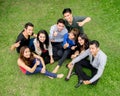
{"x":73,"y":47}
{"x":43,"y":70}
{"x":70,"y":65}
{"x":80,"y":24}
{"x":55,"y":34}
{"x":37,"y":62}
{"x":17,"y":44}
{"x":66,"y":45}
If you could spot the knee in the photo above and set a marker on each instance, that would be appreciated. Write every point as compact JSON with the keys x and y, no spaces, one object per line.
{"x":76,"y":65}
{"x":60,"y":53}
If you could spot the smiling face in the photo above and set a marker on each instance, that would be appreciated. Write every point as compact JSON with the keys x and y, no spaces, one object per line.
{"x":42,"y":37}
{"x":60,"y":26}
{"x":68,"y":16}
{"x":29,"y":30}
{"x":71,"y":36}
{"x":93,"y":49}
{"x":81,"y":41}
{"x":26,"y":53}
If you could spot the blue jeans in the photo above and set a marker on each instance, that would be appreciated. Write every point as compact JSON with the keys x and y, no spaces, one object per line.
{"x":38,"y":70}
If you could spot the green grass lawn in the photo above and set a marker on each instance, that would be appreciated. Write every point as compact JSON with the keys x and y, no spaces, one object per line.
{"x":104,"y":27}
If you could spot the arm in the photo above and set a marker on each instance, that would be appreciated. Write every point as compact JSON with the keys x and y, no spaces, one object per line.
{"x":50,"y":53}
{"x":15,"y":45}
{"x":80,"y":57}
{"x":34,"y":35}
{"x":51,"y":35}
{"x":41,"y":59}
{"x":37,"y":47}
{"x":88,"y":19}
{"x":42,"y":62}
{"x":96,"y":77}
{"x":102,"y":63}
{"x":65,"y":44}
{"x":75,"y":54}
{"x":73,"y":47}
{"x":51,"y":59}
{"x":23,"y":65}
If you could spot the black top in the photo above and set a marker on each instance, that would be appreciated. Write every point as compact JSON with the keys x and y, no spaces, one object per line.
{"x":24,"y":41}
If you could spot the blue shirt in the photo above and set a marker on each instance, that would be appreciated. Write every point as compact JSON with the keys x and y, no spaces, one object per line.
{"x":67,"y":40}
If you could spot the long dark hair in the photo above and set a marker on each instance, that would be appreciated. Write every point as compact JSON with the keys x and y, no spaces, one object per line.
{"x":86,"y":40}
{"x":46,"y":40}
{"x":27,"y":61}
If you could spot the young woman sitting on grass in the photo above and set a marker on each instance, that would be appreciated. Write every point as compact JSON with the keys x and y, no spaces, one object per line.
{"x":43,"y":46}
{"x":69,"y":45}
{"x":30,"y":63}
{"x":83,"y":44}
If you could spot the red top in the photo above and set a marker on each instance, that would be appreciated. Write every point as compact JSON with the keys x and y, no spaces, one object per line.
{"x":44,"y":51}
{"x":23,"y":70}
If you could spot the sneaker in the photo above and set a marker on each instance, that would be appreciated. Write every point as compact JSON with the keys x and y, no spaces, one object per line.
{"x":78,"y":84}
{"x":67,"y":79}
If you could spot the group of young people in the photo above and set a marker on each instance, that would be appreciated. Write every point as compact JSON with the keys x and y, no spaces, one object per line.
{"x":66,"y":39}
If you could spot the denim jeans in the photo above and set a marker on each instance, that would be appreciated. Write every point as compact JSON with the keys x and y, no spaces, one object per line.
{"x":38,"y":70}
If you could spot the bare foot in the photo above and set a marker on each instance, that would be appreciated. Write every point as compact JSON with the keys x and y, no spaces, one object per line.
{"x":56,"y":69}
{"x":50,"y":77}
{"x":60,"y":75}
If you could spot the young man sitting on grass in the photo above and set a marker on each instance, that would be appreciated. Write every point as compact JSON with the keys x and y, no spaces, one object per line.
{"x":96,"y":63}
{"x":23,"y":38}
